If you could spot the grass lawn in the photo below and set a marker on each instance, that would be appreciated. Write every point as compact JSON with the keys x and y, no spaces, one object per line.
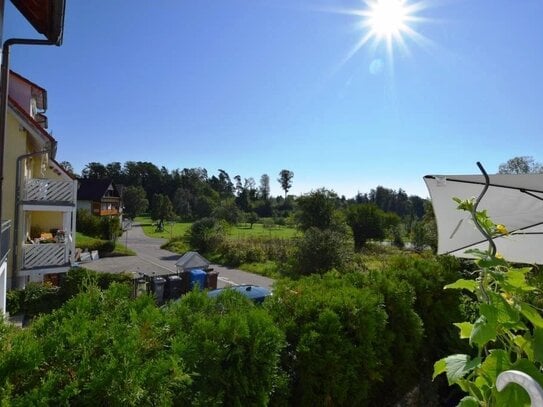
{"x":86,"y":242}
{"x":176,"y":229}
{"x":241,"y":231}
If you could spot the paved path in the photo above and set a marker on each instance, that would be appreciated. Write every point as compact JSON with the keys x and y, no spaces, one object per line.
{"x":151,"y":259}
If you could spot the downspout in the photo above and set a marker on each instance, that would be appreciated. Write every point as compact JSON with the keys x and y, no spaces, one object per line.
{"x":17,"y":204}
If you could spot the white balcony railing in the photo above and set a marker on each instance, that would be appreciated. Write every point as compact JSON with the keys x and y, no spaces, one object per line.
{"x":48,"y":190}
{"x":45,"y":255}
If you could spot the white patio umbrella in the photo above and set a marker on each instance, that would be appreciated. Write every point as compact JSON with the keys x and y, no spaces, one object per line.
{"x":515,"y":201}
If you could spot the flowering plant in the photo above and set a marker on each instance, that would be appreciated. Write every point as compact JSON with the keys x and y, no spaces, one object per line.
{"x":508,"y":331}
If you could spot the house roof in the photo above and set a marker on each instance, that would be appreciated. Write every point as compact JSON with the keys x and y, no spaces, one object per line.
{"x":32,"y":125}
{"x":192,"y":260}
{"x":37,"y":91}
{"x":46,"y":16}
{"x":94,"y":189}
{"x":59,"y":169}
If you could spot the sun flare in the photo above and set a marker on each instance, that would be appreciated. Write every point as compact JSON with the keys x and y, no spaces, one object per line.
{"x":389,"y":23}
{"x":387,"y":18}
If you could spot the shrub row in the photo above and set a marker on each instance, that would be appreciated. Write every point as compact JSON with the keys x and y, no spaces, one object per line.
{"x":42,"y":298}
{"x":254,"y":250}
{"x":104,"y":348}
{"x":105,"y":227}
{"x":351,"y":339}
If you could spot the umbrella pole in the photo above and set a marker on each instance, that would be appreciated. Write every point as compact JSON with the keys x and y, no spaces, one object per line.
{"x":492,"y":245}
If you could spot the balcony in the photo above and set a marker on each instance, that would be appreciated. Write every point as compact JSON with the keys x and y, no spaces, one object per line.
{"x":108,"y":212}
{"x":45,"y":255}
{"x":4,"y":239}
{"x":40,"y":190}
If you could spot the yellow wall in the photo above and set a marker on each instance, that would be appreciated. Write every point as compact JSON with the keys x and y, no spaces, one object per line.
{"x":46,"y":220}
{"x":15,"y":146}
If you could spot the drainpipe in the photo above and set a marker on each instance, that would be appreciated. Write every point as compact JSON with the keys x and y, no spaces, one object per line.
{"x":17,"y":204}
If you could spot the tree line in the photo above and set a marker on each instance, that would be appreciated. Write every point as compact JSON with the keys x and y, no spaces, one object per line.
{"x":193,"y":193}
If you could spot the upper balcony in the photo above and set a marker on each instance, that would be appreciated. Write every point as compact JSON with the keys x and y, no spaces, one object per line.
{"x":44,"y":191}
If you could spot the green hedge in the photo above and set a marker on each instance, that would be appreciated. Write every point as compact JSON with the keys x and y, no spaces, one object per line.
{"x":356,"y":338}
{"x":104,"y":348}
{"x":42,"y":298}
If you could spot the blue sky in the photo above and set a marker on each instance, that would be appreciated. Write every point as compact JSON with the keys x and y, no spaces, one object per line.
{"x":255,"y":86}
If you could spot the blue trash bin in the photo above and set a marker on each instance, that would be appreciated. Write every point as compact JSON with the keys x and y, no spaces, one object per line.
{"x":197,"y":277}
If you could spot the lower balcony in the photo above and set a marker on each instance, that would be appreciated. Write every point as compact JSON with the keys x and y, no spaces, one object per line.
{"x":45,"y":255}
{"x":4,"y":239}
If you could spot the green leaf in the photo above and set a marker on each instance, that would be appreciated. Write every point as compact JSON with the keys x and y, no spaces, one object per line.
{"x":457,"y":366}
{"x":526,"y":344}
{"x":468,"y":401}
{"x":517,"y":279}
{"x":462,"y":284}
{"x":490,"y":261}
{"x":439,"y":367}
{"x":531,"y":314}
{"x":495,"y":363}
{"x":505,"y":313}
{"x":483,"y":331}
{"x":538,"y":345}
{"x":465,"y":329}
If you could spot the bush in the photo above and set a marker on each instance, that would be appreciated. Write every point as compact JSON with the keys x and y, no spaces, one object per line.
{"x":206,"y":235}
{"x":104,"y":348}
{"x":40,"y":298}
{"x":14,"y":301}
{"x":36,"y":298}
{"x":105,"y":228}
{"x":319,"y":251}
{"x":87,"y":223}
{"x":333,"y":331}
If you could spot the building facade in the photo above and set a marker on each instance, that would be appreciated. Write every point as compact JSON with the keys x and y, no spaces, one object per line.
{"x":39,"y":196}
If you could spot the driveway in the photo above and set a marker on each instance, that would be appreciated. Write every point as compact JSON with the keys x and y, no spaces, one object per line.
{"x":152,"y":260}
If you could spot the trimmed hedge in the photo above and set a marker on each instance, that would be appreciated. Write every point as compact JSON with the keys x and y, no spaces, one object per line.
{"x":356,"y":338}
{"x":104,"y":348}
{"x":42,"y":298}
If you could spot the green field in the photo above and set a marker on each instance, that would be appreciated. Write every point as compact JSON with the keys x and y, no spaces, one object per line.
{"x":241,"y":231}
{"x":85,"y":242}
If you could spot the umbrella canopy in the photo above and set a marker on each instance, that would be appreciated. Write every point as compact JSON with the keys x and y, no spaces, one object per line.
{"x":515,"y":201}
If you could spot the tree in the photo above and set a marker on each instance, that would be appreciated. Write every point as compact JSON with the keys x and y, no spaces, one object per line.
{"x":135,"y":201}
{"x":252,"y":218}
{"x":227,"y":211}
{"x":521,"y":165}
{"x":316,"y":209}
{"x":264,"y":186}
{"x":161,"y":209}
{"x":319,"y":251}
{"x":285,"y":179}
{"x":68,"y":167}
{"x":205,"y":235}
{"x":114,"y":172}
{"x":94,"y":170}
{"x":367,"y":221}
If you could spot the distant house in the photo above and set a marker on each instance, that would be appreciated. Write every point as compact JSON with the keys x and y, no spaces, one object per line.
{"x":99,"y":196}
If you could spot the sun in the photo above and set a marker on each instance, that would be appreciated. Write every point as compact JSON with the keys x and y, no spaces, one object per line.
{"x":389,"y":23}
{"x":387,"y":18}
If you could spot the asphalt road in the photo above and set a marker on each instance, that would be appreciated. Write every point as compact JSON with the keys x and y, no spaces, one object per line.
{"x":152,"y":260}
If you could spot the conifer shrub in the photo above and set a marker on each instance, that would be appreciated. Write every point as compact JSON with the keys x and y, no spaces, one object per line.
{"x":333,"y":331}
{"x":106,"y":348}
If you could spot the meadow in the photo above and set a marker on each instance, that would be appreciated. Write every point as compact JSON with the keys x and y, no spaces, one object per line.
{"x":174,"y":230}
